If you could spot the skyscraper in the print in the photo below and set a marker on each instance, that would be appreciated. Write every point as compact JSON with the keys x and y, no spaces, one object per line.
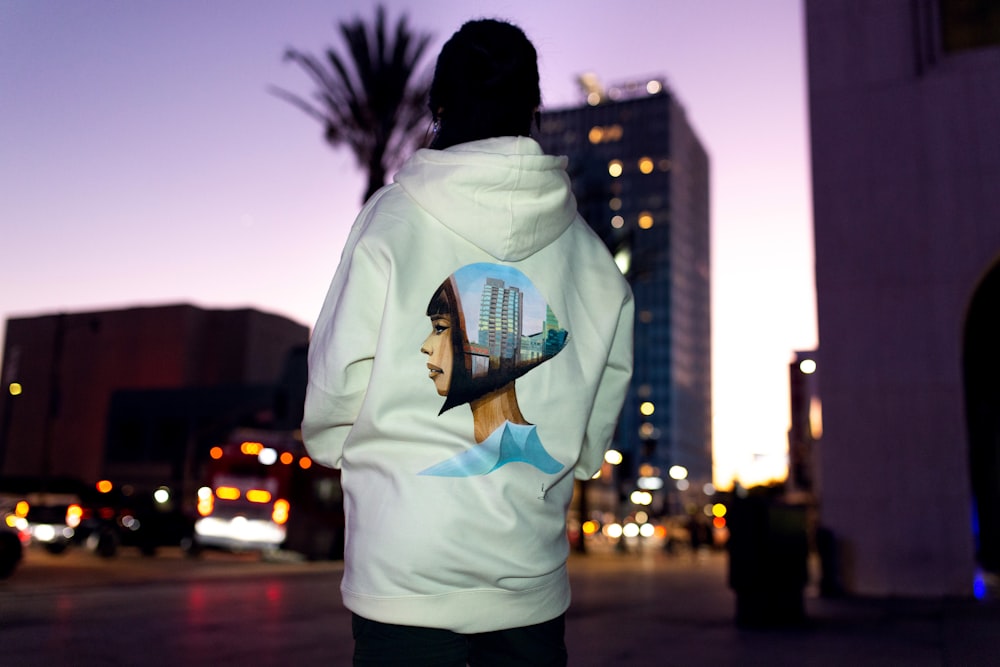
{"x":640,"y":176}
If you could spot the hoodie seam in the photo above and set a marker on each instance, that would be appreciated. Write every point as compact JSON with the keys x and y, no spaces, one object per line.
{"x":510,"y":207}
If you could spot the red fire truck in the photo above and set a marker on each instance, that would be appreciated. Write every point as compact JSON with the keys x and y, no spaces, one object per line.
{"x":263,"y":493}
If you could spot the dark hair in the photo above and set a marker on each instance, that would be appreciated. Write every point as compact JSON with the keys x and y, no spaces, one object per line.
{"x":446,"y":301}
{"x":485,"y":84}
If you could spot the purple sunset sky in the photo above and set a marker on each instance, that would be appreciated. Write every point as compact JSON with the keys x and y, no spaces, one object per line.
{"x":143,"y":162}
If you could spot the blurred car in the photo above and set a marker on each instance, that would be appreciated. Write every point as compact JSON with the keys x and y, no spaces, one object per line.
{"x":13,"y":536}
{"x":59,"y":513}
{"x":11,"y":551}
{"x":49,"y":511}
{"x":147,"y":523}
{"x":53,"y":519}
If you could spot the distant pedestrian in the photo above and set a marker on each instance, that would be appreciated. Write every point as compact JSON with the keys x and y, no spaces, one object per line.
{"x":456,"y":509}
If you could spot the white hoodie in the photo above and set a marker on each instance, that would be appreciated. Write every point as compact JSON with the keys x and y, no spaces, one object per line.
{"x":444,"y":531}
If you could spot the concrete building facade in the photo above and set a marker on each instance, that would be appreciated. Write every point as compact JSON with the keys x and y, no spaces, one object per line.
{"x":904,"y":97}
{"x":85,"y":391}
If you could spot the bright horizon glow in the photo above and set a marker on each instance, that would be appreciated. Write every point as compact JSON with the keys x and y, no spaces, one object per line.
{"x":145,"y":163}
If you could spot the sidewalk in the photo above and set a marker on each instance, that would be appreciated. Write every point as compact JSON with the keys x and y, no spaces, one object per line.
{"x":679,"y":610}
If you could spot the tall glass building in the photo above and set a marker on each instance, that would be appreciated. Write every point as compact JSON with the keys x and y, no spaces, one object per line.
{"x":500,"y":320}
{"x":641,"y":179}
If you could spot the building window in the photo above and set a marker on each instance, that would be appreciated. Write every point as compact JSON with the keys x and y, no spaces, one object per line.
{"x":969,"y":24}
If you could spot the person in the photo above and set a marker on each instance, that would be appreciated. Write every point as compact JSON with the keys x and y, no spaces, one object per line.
{"x":456,"y":543}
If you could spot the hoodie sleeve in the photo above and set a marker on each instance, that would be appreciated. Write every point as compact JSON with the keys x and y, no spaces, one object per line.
{"x":342,"y":350}
{"x":610,"y":395}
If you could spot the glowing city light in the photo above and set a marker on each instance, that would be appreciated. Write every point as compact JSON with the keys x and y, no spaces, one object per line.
{"x":649,"y":483}
{"x":15,"y":388}
{"x":641,"y":498}
{"x":74,"y":514}
{"x":259,"y":496}
{"x":251,"y":448}
{"x":807,"y":366}
{"x":613,"y":456}
{"x":615,"y":168}
{"x":647,"y":408}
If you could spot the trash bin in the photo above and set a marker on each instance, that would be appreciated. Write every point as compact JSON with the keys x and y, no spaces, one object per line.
{"x":768,"y":560}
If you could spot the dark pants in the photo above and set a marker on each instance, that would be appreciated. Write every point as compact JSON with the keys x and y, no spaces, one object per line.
{"x":382,"y":644}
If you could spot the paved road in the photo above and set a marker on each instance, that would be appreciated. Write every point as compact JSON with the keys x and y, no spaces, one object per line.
{"x":635,"y":609}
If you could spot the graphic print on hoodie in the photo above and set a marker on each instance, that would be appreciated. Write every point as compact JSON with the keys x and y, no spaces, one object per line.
{"x":490,"y":326}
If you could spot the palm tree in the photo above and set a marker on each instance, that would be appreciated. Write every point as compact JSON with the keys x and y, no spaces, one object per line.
{"x":378,"y":105}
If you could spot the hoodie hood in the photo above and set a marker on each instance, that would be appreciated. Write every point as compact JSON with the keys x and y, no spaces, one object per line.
{"x":505,"y":195}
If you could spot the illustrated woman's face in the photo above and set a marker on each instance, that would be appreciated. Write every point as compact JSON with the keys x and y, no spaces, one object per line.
{"x":437,"y":346}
